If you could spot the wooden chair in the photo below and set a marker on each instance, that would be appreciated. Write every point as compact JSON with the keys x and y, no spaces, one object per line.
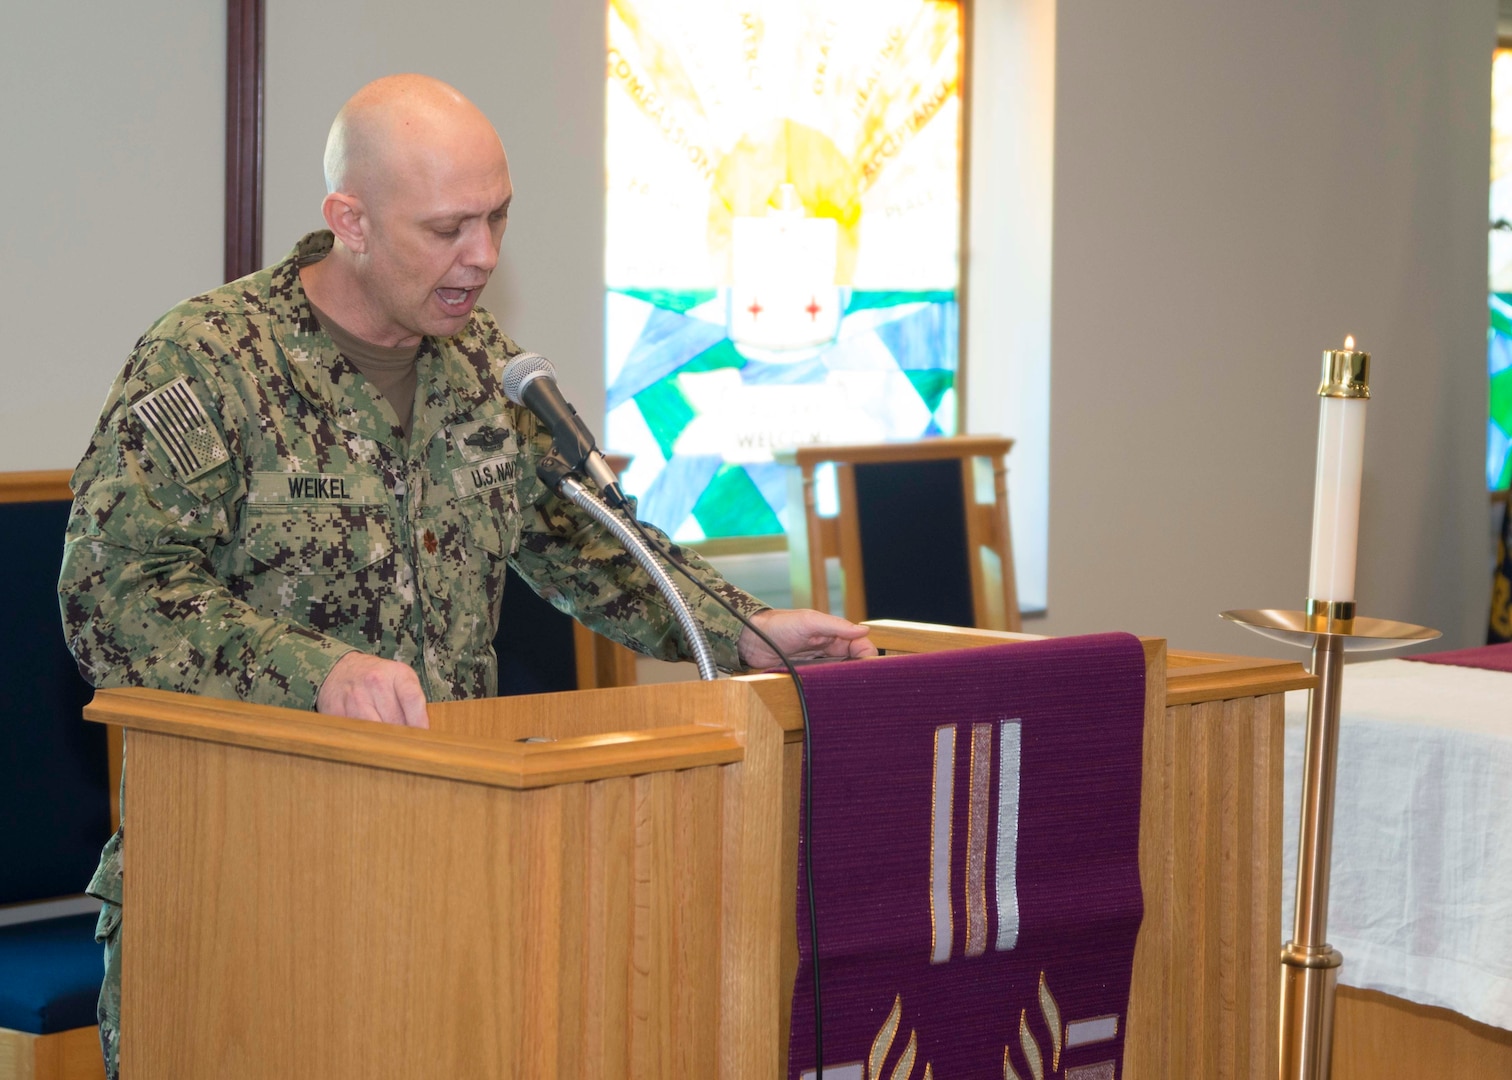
{"x":921,"y":534}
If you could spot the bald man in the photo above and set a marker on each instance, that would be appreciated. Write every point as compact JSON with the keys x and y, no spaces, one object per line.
{"x":306,"y":485}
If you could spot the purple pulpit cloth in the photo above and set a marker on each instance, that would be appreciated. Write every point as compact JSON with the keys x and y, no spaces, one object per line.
{"x":1490,"y":657}
{"x":976,"y":862}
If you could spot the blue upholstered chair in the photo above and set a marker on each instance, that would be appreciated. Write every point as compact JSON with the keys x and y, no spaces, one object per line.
{"x":54,"y":800}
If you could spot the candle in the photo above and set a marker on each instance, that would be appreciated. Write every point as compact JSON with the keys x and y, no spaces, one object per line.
{"x":1341,"y":461}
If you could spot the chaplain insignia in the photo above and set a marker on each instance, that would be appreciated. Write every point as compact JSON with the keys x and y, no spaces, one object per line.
{"x":175,"y":416}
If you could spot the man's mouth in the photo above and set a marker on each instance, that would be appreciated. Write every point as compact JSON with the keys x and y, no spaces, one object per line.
{"x":457,"y":298}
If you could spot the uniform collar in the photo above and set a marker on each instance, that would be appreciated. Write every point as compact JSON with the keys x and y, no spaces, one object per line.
{"x":456,"y":378}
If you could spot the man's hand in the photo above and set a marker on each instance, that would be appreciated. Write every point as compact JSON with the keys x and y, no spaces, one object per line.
{"x":369,"y":688}
{"x":803,"y":634}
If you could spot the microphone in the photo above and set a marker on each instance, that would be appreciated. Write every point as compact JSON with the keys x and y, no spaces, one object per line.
{"x":530,"y":381}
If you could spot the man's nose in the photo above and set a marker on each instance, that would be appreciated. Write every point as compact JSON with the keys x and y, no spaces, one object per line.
{"x":482,"y":251}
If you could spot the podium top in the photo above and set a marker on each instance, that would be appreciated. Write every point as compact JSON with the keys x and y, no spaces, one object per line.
{"x":597,"y":734}
{"x":477,"y":742}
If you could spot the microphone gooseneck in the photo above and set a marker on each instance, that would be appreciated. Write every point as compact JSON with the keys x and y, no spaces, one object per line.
{"x":693,"y":633}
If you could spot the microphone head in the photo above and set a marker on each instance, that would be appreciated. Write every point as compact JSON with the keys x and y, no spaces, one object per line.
{"x":521,"y":370}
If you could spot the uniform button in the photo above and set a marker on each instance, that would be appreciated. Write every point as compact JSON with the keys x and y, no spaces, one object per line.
{"x":430,"y":542}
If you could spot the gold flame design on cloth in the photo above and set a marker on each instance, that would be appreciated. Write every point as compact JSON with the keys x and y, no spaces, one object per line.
{"x":1031,"y":1048}
{"x":884,"y":1040}
{"x":1009,"y":1072}
{"x":904,"y":1068}
{"x":882,"y":1045}
{"x":1052,"y":1014}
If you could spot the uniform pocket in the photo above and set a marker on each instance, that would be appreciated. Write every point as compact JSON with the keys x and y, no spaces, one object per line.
{"x":319,"y":540}
{"x":485,"y":527}
{"x":464,"y":545}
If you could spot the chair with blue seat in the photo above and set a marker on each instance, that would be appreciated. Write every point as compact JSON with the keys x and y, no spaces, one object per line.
{"x":55,"y":801}
{"x":49,"y":985}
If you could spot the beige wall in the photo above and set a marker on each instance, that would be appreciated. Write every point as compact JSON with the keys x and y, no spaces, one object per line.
{"x":111,"y":163}
{"x":1234,"y":188}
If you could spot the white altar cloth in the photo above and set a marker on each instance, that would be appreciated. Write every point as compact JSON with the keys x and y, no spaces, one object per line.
{"x":1421,"y":897}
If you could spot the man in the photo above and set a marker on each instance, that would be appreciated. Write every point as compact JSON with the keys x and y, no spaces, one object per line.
{"x":305,"y":485}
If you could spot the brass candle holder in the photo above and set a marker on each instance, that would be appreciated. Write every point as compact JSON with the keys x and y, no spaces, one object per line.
{"x":1330,"y":628}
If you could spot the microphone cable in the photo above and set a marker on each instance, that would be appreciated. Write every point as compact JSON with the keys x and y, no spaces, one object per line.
{"x":667,"y":550}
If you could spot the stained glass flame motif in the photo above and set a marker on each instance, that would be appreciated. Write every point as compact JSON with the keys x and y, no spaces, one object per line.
{"x":782,"y":248}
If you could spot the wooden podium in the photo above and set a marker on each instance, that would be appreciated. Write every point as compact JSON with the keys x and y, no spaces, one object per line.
{"x":309,"y":896}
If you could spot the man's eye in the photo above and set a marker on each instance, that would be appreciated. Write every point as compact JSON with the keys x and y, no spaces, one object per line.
{"x":448,"y":234}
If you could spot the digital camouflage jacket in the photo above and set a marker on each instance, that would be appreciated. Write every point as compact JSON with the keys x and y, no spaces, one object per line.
{"x":249,"y":510}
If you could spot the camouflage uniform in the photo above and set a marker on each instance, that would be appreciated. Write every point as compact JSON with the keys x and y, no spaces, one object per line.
{"x":248,"y":512}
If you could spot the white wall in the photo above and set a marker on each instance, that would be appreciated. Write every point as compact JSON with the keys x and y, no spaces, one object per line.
{"x":1237,"y":186}
{"x":112,"y":119}
{"x":537,"y":70}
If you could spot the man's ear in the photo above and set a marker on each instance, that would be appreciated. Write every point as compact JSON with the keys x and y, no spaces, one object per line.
{"x":347,"y":218}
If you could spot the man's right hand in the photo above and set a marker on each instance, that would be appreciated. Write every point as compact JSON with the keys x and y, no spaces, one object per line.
{"x":369,"y":688}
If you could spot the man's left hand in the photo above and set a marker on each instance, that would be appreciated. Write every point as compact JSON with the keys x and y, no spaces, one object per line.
{"x":803,"y":634}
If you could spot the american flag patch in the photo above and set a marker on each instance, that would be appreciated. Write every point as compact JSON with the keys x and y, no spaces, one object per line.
{"x":180,"y":422}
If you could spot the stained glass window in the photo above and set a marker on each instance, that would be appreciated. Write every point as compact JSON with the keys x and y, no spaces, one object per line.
{"x":783,"y":233}
{"x":1499,"y":336}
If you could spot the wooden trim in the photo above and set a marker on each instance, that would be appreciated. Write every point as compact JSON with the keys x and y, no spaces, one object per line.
{"x":45,"y":485}
{"x":429,"y":753}
{"x":1378,"y":1035}
{"x":979,"y":535}
{"x":714,"y":547}
{"x":1002,"y":544}
{"x":245,"y":23}
{"x":896,"y":635}
{"x":63,"y":1055}
{"x":1191,"y":676}
{"x":114,"y":743}
{"x":946,"y":446}
{"x":848,"y":534}
{"x":963,"y":236}
{"x":600,"y":663}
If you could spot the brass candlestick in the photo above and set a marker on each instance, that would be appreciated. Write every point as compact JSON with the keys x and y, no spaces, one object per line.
{"x":1309,"y":965}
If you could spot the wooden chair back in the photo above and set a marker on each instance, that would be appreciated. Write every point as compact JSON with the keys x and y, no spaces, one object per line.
{"x":922,"y":532}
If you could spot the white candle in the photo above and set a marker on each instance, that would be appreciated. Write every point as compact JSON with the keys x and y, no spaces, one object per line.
{"x":1341,"y":463}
